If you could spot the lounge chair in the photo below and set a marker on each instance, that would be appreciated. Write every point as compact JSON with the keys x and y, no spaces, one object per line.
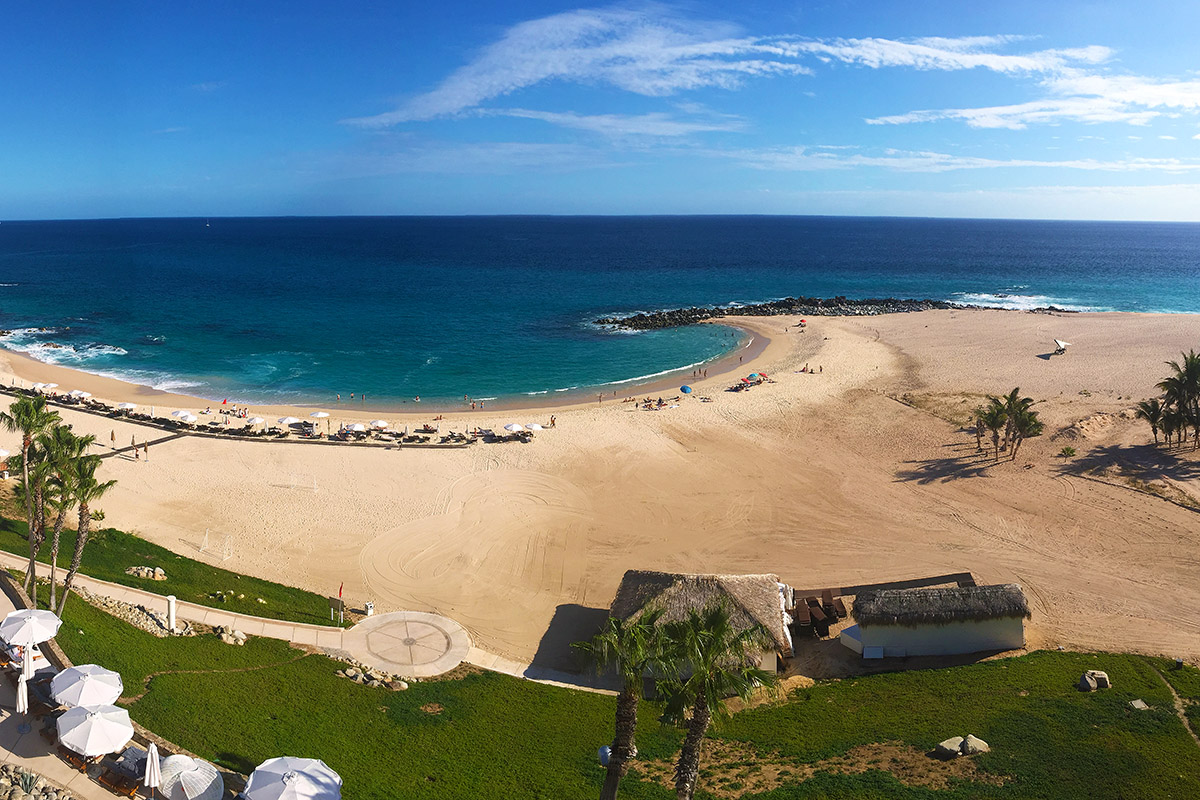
{"x":74,"y":759}
{"x":118,"y":782}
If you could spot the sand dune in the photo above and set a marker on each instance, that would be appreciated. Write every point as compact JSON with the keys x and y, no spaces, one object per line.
{"x":859,"y":473}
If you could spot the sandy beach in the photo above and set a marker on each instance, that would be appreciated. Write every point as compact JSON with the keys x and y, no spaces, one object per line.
{"x":861,"y":472}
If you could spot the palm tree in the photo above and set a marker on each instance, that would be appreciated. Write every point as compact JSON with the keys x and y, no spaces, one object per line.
{"x":632,"y":648}
{"x":1152,"y":411}
{"x":63,"y":449}
{"x":714,"y":661}
{"x":86,"y":490}
{"x":994,"y":419}
{"x":1014,"y":406}
{"x":1026,"y":425}
{"x":30,"y":417}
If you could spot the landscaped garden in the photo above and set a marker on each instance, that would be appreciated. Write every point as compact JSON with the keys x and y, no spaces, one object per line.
{"x":486,"y":735}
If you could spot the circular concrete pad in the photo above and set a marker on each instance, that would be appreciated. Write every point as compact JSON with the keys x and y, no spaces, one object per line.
{"x":410,"y":643}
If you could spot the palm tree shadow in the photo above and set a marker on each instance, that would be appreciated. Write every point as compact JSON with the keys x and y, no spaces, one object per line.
{"x":970,"y":464}
{"x":1145,"y":462}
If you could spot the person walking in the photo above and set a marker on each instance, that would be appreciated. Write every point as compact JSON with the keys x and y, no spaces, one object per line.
{"x":112,"y":437}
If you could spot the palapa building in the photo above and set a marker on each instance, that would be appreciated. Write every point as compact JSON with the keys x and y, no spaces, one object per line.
{"x":751,"y":600}
{"x":937,"y":622}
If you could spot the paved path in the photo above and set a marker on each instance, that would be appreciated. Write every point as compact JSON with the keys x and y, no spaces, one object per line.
{"x":438,"y":644}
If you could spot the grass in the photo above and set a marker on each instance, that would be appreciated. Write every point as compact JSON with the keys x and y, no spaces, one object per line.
{"x":492,"y":736}
{"x":109,"y":552}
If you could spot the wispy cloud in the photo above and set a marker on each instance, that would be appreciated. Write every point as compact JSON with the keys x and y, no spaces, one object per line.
{"x":164,"y":131}
{"x":807,"y":160}
{"x":654,"y":51}
{"x":208,"y":86}
{"x":1075,"y":97}
{"x":654,"y":124}
{"x":470,"y":158}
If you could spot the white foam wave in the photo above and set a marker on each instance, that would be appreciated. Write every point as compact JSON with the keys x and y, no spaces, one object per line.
{"x":54,"y":353}
{"x":10,"y":284}
{"x":543,"y":391}
{"x":1019,"y":302}
{"x":654,"y":374}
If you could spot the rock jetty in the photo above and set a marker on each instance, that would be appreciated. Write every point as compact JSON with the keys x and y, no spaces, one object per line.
{"x":807,"y":306}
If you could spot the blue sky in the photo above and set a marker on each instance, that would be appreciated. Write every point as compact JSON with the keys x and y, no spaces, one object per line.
{"x":1016,"y":109}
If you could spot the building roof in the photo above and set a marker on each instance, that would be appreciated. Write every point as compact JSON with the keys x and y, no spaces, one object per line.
{"x":912,"y":607}
{"x":752,"y":599}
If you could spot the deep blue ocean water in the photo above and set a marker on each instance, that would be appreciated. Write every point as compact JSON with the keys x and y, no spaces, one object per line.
{"x":297,"y":309}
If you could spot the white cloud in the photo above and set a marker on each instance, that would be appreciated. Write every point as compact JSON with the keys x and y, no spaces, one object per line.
{"x":803,"y":159}
{"x":654,"y":51}
{"x":1197,"y":137}
{"x":1167,"y":137}
{"x":652,"y":124}
{"x":494,"y":158}
{"x":208,"y":86}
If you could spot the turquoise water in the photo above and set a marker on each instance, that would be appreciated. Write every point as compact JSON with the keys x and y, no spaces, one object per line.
{"x":298,"y":309}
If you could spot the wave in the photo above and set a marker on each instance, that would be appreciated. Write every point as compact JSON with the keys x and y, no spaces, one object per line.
{"x":654,"y":374}
{"x":10,"y":284}
{"x":55,"y":353}
{"x":1020,"y":302}
{"x":543,"y":391}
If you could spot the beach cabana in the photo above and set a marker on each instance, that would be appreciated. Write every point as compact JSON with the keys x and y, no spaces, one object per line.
{"x":938,"y":621}
{"x":751,"y":599}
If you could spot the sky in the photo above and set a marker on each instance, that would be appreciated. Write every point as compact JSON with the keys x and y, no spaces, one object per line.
{"x":1061,"y":110}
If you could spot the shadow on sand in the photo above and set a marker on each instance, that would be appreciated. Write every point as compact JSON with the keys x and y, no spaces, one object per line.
{"x":965,"y":462}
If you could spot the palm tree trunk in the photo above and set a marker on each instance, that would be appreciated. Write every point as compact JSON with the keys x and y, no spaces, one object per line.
{"x":25,"y":442}
{"x":687,"y":771}
{"x":85,"y":520}
{"x":624,"y":749}
{"x":59,"y":521}
{"x":37,"y":536}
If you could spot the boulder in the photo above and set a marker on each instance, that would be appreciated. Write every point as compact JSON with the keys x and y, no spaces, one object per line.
{"x":352,"y":672}
{"x":951,"y":748}
{"x":239,"y":636}
{"x":1087,"y":683}
{"x":159,"y":575}
{"x":972,"y":745}
{"x":1101,"y":678}
{"x":375,"y":683}
{"x":398,"y":686}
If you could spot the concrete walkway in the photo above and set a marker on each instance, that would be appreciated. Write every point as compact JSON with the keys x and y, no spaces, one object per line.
{"x":379,"y":641}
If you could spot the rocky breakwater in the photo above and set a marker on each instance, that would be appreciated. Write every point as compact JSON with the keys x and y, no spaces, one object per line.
{"x":805,"y":306}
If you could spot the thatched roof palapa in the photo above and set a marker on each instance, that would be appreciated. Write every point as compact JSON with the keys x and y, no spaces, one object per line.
{"x":751,"y":599}
{"x":912,"y":607}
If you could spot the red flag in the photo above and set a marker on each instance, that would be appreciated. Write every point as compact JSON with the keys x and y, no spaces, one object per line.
{"x":225,"y":401}
{"x":340,"y":585}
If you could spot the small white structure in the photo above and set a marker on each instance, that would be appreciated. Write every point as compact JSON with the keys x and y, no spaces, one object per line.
{"x":937,"y":622}
{"x":751,"y":599}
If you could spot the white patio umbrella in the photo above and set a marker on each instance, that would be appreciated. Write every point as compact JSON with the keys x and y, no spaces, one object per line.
{"x":187,"y":778}
{"x":319,"y":414}
{"x":533,"y":426}
{"x":189,"y":418}
{"x":94,"y":730}
{"x":358,"y":427}
{"x":255,"y":421}
{"x":288,"y":420}
{"x":379,"y":423}
{"x":513,"y":427}
{"x":289,"y":778}
{"x":86,"y":685}
{"x":79,"y":393}
{"x":127,"y":406}
{"x":28,"y":627}
{"x":153,"y":775}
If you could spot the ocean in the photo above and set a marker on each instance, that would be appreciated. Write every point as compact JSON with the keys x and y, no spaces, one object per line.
{"x":295,"y":310}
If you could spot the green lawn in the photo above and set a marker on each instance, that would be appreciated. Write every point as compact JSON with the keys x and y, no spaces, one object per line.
{"x":110,"y":552}
{"x":500,"y":737}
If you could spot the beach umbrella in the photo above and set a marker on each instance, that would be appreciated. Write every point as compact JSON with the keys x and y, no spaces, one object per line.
{"x":49,"y":385}
{"x":753,"y":375}
{"x":79,"y":393}
{"x":685,"y":389}
{"x":745,"y":380}
{"x":152,"y":778}
{"x":255,"y":421}
{"x":289,"y":778}
{"x":86,"y":685}
{"x":189,"y":418}
{"x":94,"y":730}
{"x":23,"y":694}
{"x":28,"y":627}
{"x":180,"y":414}
{"x":4,"y":454}
{"x":288,"y":420}
{"x":1061,"y":344}
{"x":533,"y":426}
{"x":187,"y":778}
{"x":513,"y":427}
{"x":357,"y":427}
{"x":37,"y":387}
{"x":379,"y":423}
{"x":319,"y":414}
{"x":127,"y":406}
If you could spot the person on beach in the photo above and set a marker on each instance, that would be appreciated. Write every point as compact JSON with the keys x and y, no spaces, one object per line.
{"x":133,"y":441}
{"x":113,"y":438}
{"x":352,"y":397}
{"x":417,"y":399}
{"x":146,"y":450}
{"x":339,"y":397}
{"x":553,"y":420}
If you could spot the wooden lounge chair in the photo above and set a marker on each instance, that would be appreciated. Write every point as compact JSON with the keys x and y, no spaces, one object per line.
{"x":118,"y":782}
{"x":74,"y":759}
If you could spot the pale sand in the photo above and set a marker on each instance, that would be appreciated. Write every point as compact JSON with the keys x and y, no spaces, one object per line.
{"x":823,"y":479}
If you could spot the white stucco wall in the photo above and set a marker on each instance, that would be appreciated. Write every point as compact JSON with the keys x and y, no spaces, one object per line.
{"x":942,"y":640}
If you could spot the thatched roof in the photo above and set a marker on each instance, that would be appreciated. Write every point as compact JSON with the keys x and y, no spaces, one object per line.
{"x":912,"y":607}
{"x":751,"y":599}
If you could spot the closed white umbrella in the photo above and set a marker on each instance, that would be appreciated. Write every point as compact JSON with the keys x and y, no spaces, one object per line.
{"x":153,"y":776}
{"x":23,"y":694}
{"x":127,"y":406}
{"x":379,"y":423}
{"x":288,"y":420}
{"x":289,"y":778}
{"x":86,"y":685}
{"x":187,"y":778}
{"x":94,"y":730}
{"x":513,"y":427}
{"x":28,"y":627}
